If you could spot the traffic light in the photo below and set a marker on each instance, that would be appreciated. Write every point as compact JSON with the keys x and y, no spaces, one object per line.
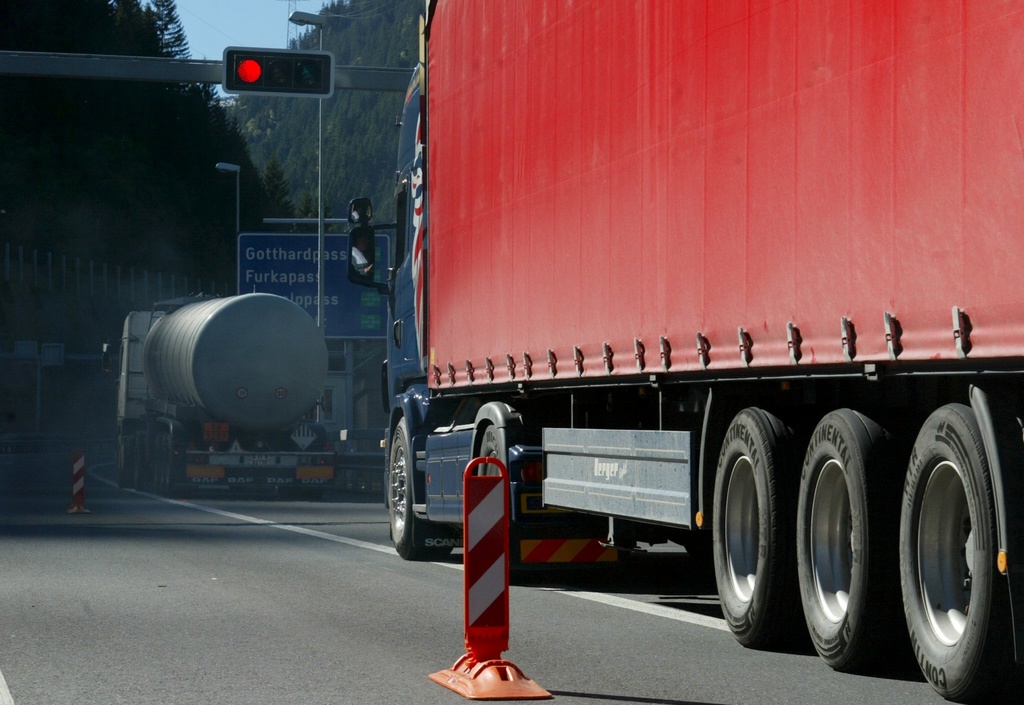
{"x":307,"y":74}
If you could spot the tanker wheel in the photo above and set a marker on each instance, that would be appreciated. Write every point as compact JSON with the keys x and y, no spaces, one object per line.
{"x":846,"y":559}
{"x":753,"y":531}
{"x":404,"y":522}
{"x":956,"y":605}
{"x":148,"y":474}
{"x":126,"y":461}
{"x":163,"y":462}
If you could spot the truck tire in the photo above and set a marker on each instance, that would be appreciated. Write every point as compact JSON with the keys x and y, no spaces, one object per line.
{"x":146,"y":473}
{"x":493,"y":445}
{"x":126,"y":461}
{"x":956,"y":605}
{"x":846,"y":538}
{"x":404,"y":522}
{"x":161,"y":468}
{"x":753,"y":531}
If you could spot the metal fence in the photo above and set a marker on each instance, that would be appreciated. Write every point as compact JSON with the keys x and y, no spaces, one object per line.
{"x":44,"y":444}
{"x":47,"y":271}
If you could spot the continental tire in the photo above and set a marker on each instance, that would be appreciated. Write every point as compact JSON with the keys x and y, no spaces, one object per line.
{"x":956,"y":603}
{"x":404,"y":522}
{"x":753,"y":531}
{"x":846,"y":541}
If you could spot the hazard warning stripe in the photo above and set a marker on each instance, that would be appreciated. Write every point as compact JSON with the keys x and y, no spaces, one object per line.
{"x":564,"y":551}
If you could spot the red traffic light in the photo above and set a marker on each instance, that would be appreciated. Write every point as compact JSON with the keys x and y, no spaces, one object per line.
{"x":249,"y":70}
{"x":278,"y":72}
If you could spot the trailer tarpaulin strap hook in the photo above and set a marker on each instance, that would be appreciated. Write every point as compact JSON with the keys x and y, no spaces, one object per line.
{"x":481,"y":674}
{"x":78,"y":483}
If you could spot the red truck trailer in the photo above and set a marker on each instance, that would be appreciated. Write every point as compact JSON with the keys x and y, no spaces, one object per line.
{"x":744,"y":268}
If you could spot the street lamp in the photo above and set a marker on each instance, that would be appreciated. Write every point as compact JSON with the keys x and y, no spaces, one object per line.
{"x":309,"y":19}
{"x":226,"y":168}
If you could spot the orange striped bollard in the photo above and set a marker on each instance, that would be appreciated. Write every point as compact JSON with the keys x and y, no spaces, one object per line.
{"x":481,"y":673}
{"x":78,"y":483}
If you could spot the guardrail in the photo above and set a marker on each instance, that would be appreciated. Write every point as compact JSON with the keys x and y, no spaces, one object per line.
{"x":59,"y":273}
{"x":23,"y":444}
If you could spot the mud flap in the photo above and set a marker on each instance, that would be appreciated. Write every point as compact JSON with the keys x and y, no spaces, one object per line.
{"x":429,"y":535}
{"x":1001,"y":434}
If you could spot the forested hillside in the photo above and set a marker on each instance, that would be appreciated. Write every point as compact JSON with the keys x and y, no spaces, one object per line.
{"x":124,"y":172}
{"x":360,"y":133}
{"x":117,"y":170}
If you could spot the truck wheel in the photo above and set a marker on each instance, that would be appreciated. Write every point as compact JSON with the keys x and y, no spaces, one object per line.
{"x":492,"y":445}
{"x":957,"y":607}
{"x":404,"y":523}
{"x":126,"y":461}
{"x":161,"y":468}
{"x":149,"y":468}
{"x":753,"y":533}
{"x":846,"y":559}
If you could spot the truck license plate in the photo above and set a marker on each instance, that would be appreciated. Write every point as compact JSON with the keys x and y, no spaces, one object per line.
{"x":260,"y":460}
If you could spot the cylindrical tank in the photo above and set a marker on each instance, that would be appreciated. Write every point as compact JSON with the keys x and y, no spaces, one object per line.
{"x":256,"y":361}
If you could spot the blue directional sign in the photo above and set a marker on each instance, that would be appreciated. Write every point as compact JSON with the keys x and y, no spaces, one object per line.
{"x":285,"y":264}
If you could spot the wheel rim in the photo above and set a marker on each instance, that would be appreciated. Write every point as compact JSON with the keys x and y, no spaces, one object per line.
{"x":398,"y":491}
{"x":742,"y":528}
{"x":945,"y":552}
{"x":831,"y":539}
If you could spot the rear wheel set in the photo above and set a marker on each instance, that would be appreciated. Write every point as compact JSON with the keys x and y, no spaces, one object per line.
{"x":858,"y":541}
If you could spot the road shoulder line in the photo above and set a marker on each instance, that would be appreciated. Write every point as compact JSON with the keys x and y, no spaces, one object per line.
{"x":610,"y":600}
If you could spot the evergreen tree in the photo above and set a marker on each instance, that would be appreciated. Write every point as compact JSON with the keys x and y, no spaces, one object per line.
{"x":307,"y":205}
{"x":359,"y":135}
{"x":114,"y":169}
{"x":278,"y":203}
{"x":171,"y":33}
{"x":136,"y":29}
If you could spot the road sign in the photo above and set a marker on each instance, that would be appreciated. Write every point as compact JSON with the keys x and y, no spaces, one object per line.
{"x":285,"y":264}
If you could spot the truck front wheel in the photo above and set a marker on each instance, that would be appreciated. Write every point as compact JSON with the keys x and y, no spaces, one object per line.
{"x":404,"y":523}
{"x":753,"y":530}
{"x":493,"y":445}
{"x":956,"y":605}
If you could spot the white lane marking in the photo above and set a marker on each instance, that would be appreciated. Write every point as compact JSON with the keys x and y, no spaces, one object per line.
{"x":5,"y":695}
{"x":610,"y":600}
{"x":262,"y":522}
{"x":644,"y":608}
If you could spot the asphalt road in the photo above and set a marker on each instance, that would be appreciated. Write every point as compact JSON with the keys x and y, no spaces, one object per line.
{"x":243,"y":600}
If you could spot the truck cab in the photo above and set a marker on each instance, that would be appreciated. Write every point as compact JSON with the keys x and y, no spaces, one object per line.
{"x":431,"y":436}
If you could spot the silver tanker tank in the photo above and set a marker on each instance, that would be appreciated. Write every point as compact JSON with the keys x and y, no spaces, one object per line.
{"x":256,"y":361}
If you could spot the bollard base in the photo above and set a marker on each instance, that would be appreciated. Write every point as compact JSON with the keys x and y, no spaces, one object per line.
{"x":78,"y":509}
{"x":489,"y":680}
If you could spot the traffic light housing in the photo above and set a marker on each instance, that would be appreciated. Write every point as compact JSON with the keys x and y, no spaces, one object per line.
{"x":307,"y":74}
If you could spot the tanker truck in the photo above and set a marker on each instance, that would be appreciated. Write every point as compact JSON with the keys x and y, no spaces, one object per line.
{"x":218,"y":392}
{"x":746,"y":270}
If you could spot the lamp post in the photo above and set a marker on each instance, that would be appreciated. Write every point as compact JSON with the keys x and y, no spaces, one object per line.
{"x":226,"y":168}
{"x":303,"y":19}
